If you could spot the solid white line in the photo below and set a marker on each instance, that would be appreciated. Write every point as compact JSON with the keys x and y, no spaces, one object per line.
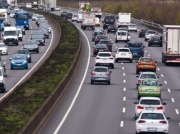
{"x":124,"y":81}
{"x":172,"y":99}
{"x":124,"y":98}
{"x":124,"y":74}
{"x":122,"y":124}
{"x":177,"y":112}
{"x":79,"y":88}
{"x":162,"y":75}
{"x":165,"y":82}
{"x":124,"y":89}
{"x":179,"y":124}
{"x":114,"y":44}
{"x":12,"y":89}
{"x":116,"y":47}
{"x":122,"y":68}
{"x":158,"y":69}
{"x":169,"y":90}
{"x":124,"y":110}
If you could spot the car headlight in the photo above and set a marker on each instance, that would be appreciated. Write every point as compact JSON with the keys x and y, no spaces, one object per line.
{"x":12,"y":62}
{"x":28,"y":56}
{"x":24,"y":61}
{"x":24,"y":21}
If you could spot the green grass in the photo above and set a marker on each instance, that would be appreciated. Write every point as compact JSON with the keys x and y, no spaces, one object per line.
{"x":32,"y":94}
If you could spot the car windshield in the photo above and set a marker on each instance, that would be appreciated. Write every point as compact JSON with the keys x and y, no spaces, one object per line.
{"x":105,"y":42}
{"x":146,"y":60}
{"x":34,"y":15}
{"x":11,"y":12}
{"x":37,"y":37}
{"x":151,"y":32}
{"x":10,"y":33}
{"x":121,"y":33}
{"x":19,"y":31}
{"x":23,"y":52}
{"x":144,"y":76}
{"x":155,"y":37}
{"x":21,"y":16}
{"x":150,"y":102}
{"x":97,"y":33}
{"x":144,"y":30}
{"x":40,"y":16}
{"x":0,"y":72}
{"x":100,"y":69}
{"x":2,"y":45}
{"x":135,"y":44}
{"x":18,"y":57}
{"x":104,"y":54}
{"x":102,"y":37}
{"x":29,"y":42}
{"x":74,"y":15}
{"x":153,"y":116}
{"x":123,"y":50}
{"x":149,"y":83}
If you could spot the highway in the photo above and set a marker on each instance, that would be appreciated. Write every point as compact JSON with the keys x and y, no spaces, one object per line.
{"x":14,"y":77}
{"x":109,"y":109}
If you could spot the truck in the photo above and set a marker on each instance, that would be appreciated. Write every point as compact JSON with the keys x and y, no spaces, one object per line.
{"x":80,"y":14}
{"x":124,"y":19}
{"x":3,"y":14}
{"x":51,"y":4}
{"x":84,"y":6}
{"x":88,"y":21}
{"x":22,"y":19}
{"x":171,"y":44}
{"x":96,"y":11}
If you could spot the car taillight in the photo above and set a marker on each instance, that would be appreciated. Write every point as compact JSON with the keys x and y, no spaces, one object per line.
{"x":160,"y":108}
{"x":163,"y":122}
{"x":111,"y":58}
{"x":140,"y":107}
{"x":98,"y":58}
{"x":129,"y":52}
{"x":95,"y":49}
{"x":139,"y":63}
{"x":158,"y":89}
{"x":150,"y":41}
{"x":139,"y":81}
{"x":141,"y":121}
{"x":107,"y":73}
{"x":140,"y":89}
{"x":96,"y":38}
{"x":93,"y":73}
{"x":104,"y":22}
{"x":106,"y":50}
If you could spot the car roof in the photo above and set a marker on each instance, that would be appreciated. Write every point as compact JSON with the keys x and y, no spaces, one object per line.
{"x":101,"y":46}
{"x":105,"y":52}
{"x":101,"y":67}
{"x":148,"y":73}
{"x":150,"y":98}
{"x":152,"y":111}
{"x":122,"y":31}
{"x":123,"y":48}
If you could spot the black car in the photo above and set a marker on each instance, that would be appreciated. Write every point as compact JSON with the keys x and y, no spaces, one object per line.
{"x":31,"y":45}
{"x":39,"y":38}
{"x":95,"y":33}
{"x":142,"y":32}
{"x":155,"y":40}
{"x":7,"y":23}
{"x":100,"y":48}
{"x":69,"y":15}
{"x":112,"y":28}
{"x":108,"y":20}
{"x":64,"y":14}
{"x":26,"y":52}
{"x":109,"y":43}
{"x":100,"y":37}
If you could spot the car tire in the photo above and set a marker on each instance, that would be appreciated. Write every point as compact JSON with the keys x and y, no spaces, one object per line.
{"x":17,"y":44}
{"x":112,"y":66}
{"x":92,"y":82}
{"x":11,"y":68}
{"x":107,"y":31}
{"x":139,"y":97}
{"x":130,"y":61}
{"x":29,"y":60}
{"x":109,"y":82}
{"x":137,"y":72}
{"x":26,"y":67}
{"x":145,"y":39}
{"x":116,"y":60}
{"x":137,"y":133}
{"x":160,"y":45}
{"x":116,"y":41}
{"x":149,"y":45}
{"x":37,"y":51}
{"x":3,"y":90}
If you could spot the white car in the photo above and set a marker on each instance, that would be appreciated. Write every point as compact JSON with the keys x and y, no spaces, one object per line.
{"x":132,"y":27}
{"x":3,"y":49}
{"x":57,"y":8}
{"x":2,"y":80}
{"x":34,"y":16}
{"x":74,"y":17}
{"x":152,"y":121}
{"x":123,"y":54}
{"x":20,"y":34}
{"x":150,"y":33}
{"x":122,"y":35}
{"x":149,"y":103}
{"x":104,"y":59}
{"x":146,"y":75}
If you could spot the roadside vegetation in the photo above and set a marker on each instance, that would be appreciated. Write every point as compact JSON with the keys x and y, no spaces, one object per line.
{"x":158,"y":11}
{"x":32,"y":94}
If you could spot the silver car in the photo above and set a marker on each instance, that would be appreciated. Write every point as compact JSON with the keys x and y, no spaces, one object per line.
{"x":101,"y":74}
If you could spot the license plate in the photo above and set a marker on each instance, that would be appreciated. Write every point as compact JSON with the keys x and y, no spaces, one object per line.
{"x":101,"y":50}
{"x":10,"y":42}
{"x":177,"y":58}
{"x":104,"y":58}
{"x":112,"y":30}
{"x":151,"y":129}
{"x":18,"y":64}
{"x":155,"y":41}
{"x":30,"y":48}
{"x":149,"y":108}
{"x":149,"y":90}
{"x":100,"y":78}
{"x":134,"y":53}
{"x":123,"y":53}
{"x":146,"y":65}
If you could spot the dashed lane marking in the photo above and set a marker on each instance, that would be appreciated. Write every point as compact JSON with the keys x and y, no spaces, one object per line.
{"x":124,"y":110}
{"x":165,"y":82}
{"x":172,"y":99}
{"x":124,"y":81}
{"x":169,"y":90}
{"x":124,"y":89}
{"x":121,"y":62}
{"x":177,"y":112}
{"x":162,"y":75}
{"x":122,"y":68}
{"x":121,"y":123}
{"x":145,"y":51}
{"x":124,"y":98}
{"x":149,"y":55}
{"x":158,"y":69}
{"x":124,"y":74}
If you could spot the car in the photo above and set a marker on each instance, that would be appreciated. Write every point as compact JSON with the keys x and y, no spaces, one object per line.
{"x":41,"y":7}
{"x":146,"y":75}
{"x":99,"y":29}
{"x":2,"y":80}
{"x":109,"y":43}
{"x":26,"y":52}
{"x":31,"y":45}
{"x":122,"y":35}
{"x":20,"y":34}
{"x":104,"y":59}
{"x":64,"y":14}
{"x":45,"y":26}
{"x":39,"y":38}
{"x":11,"y":13}
{"x":19,"y":61}
{"x":149,"y":103}
{"x":142,"y":32}
{"x":69,"y":15}
{"x":100,"y":48}
{"x":155,"y":40}
{"x":57,"y":8}
{"x":39,"y":17}
{"x":150,"y":33}
{"x":136,"y":48}
{"x":95,"y":33}
{"x":149,"y":88}
{"x":100,"y":37}
{"x":74,"y":17}
{"x":146,"y":64}
{"x":7,"y":23}
{"x":101,"y":74}
{"x":37,"y":32}
{"x":132,"y":27}
{"x":34,"y":16}
{"x":3,"y":49}
{"x":152,"y":122}
{"x":112,"y":28}
{"x":31,"y":14}
{"x":109,"y":19}
{"x":22,"y":28}
{"x":45,"y":32}
{"x":123,"y":54}
{"x":124,"y":28}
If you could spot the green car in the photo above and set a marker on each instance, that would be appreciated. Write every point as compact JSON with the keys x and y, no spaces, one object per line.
{"x":149,"y":88}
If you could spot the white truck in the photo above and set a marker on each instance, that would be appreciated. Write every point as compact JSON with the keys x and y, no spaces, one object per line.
{"x":88,"y":21}
{"x":124,"y":19}
{"x":80,"y":16}
{"x":51,"y":4}
{"x":171,"y":44}
{"x":97,"y":12}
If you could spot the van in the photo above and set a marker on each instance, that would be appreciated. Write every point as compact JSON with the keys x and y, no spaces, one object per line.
{"x":122,"y":35}
{"x":10,"y":35}
{"x":108,"y":20}
{"x":132,"y":27}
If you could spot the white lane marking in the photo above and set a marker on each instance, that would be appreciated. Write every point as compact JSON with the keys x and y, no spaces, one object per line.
{"x":165,"y":82}
{"x":179,"y":124}
{"x":145,"y":51}
{"x":12,"y":89}
{"x":121,"y":62}
{"x":172,"y":99}
{"x":124,"y":98}
{"x":79,"y":88}
{"x":124,"y":89}
{"x":149,"y":55}
{"x":121,"y":123}
{"x":124,"y":74}
{"x":177,"y":112}
{"x":162,"y":75}
{"x":122,"y":68}
{"x":124,"y":110}
{"x":110,"y":39}
{"x":116,"y":47}
{"x":169,"y":90}
{"x":124,"y":81}
{"x":158,"y":69}
{"x":114,"y":44}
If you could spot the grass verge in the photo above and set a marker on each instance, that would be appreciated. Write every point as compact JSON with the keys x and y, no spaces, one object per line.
{"x":33,"y":93}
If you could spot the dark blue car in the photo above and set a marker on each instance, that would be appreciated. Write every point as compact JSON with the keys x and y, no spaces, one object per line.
{"x":136,"y":48}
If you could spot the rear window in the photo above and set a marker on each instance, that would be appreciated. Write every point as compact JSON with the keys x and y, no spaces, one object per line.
{"x":146,"y":60}
{"x":144,"y":76}
{"x":135,"y":44}
{"x":104,"y":54}
{"x":123,"y":50}
{"x":151,"y":32}
{"x":154,"y":116}
{"x":101,"y":37}
{"x":150,"y":102}
{"x":104,"y":42}
{"x":97,"y":33}
{"x":100,"y":69}
{"x":121,"y":33}
{"x":156,"y":37}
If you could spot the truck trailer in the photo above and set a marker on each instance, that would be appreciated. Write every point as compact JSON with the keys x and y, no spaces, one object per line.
{"x":124,"y":19}
{"x":88,"y":21}
{"x":171,"y":44}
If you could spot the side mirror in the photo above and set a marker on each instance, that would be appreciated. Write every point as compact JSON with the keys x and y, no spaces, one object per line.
{"x":163,"y":103}
{"x":10,"y":58}
{"x":110,"y":71}
{"x":135,"y":102}
{"x":168,"y":118}
{"x":135,"y":117}
{"x":137,"y":76}
{"x":137,"y":84}
{"x":160,"y":84}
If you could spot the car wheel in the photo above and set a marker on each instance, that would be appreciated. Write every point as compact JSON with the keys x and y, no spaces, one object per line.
{"x":116,"y":60}
{"x":137,"y":72}
{"x":137,"y":87}
{"x":77,"y":21}
{"x":137,"y":133}
{"x":107,"y":31}
{"x":109,"y":83}
{"x":139,"y":97}
{"x":30,"y":60}
{"x":145,"y":39}
{"x":112,"y":66}
{"x":3,"y":90}
{"x":160,"y":45}
{"x":11,"y":68}
{"x":16,"y":44}
{"x":116,"y":41}
{"x":92,"y":82}
{"x":37,"y":51}
{"x":130,"y":61}
{"x":84,"y":28}
{"x":26,"y":67}
{"x":149,"y":45}
{"x":139,"y":36}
